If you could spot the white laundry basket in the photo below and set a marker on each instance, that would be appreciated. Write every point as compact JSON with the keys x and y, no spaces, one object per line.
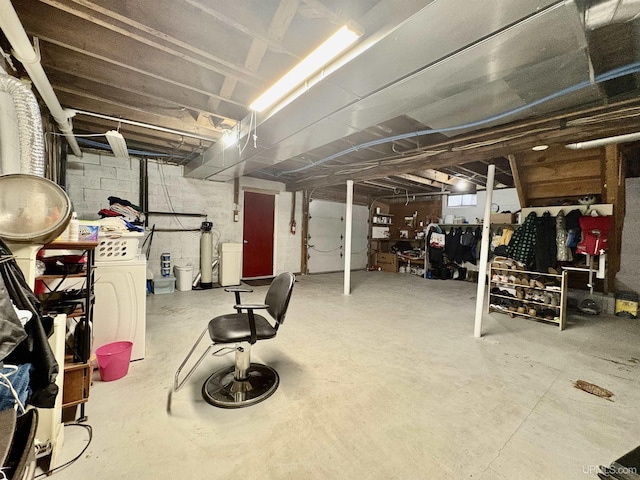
{"x":118,"y":246}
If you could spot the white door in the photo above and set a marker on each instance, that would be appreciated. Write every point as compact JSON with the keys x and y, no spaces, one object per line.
{"x":326,"y":237}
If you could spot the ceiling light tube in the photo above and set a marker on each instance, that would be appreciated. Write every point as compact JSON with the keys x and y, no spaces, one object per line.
{"x":630,"y":137}
{"x":327,"y":51}
{"x":117,"y":144}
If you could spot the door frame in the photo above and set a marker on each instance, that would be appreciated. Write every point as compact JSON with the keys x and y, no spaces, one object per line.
{"x":276,"y":196}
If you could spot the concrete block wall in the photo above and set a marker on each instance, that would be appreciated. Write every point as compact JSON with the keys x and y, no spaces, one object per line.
{"x":94,"y":177}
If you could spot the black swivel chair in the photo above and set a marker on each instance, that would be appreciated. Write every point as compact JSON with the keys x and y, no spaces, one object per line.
{"x":244,"y":383}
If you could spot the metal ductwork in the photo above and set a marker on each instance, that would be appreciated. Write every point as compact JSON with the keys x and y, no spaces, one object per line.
{"x":511,"y":61}
{"x":24,"y":52}
{"x":600,"y":13}
{"x":29,"y":125}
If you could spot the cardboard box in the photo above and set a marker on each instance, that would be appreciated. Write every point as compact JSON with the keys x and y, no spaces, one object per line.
{"x":380,"y":232}
{"x":388,"y":262}
{"x":502,"y":218}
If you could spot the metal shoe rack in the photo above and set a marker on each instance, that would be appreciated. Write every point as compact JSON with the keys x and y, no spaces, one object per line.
{"x":531,"y":295}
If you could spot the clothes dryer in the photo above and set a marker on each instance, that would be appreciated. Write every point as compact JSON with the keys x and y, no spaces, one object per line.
{"x":120,"y":307}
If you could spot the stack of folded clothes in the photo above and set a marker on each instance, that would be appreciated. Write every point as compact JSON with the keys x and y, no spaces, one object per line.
{"x":119,"y":207}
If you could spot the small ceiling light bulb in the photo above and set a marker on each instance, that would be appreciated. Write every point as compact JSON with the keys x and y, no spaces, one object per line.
{"x":539,"y":148}
{"x":229,"y":138}
{"x":462,"y":185}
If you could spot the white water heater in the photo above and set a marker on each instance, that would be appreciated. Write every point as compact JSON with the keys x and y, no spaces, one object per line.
{"x":206,"y":248}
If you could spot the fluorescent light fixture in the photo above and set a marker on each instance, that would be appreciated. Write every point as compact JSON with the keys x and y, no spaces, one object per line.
{"x":117,"y":144}
{"x":539,"y":148}
{"x":330,"y":49}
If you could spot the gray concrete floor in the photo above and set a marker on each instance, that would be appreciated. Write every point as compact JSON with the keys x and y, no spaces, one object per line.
{"x":387,"y":383}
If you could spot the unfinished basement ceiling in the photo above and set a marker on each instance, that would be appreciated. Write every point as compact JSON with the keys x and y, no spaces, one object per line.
{"x":434,"y":90}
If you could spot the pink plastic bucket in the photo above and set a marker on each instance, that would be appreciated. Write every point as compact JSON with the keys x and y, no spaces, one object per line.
{"x":113,"y":360}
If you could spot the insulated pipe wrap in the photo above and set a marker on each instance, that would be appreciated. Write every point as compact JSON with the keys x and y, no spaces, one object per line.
{"x":29,"y":125}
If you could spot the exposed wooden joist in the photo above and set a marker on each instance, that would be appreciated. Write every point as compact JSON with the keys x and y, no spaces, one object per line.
{"x":278,"y":27}
{"x":180,"y":120}
{"x":179,"y":78}
{"x":119,"y":97}
{"x":107,"y":74}
{"x":324,"y":11}
{"x":143,"y":97}
{"x":140,"y":134}
{"x":436,"y":176}
{"x":614,"y":192}
{"x":119,"y":50}
{"x":380,"y":184}
{"x":250,"y":32}
{"x":111,"y":20}
{"x":421,"y":180}
{"x":186,"y":125}
{"x":442,"y":154}
{"x":520,"y":187}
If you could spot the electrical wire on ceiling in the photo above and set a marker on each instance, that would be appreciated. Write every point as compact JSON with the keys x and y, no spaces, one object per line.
{"x":363,"y":166}
{"x":610,"y":75}
{"x":629,"y":112}
{"x":506,"y":138}
{"x":167,"y":196}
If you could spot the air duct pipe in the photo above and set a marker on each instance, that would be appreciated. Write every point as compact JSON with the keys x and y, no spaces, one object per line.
{"x":629,"y":137}
{"x":24,"y":52}
{"x":29,"y":125}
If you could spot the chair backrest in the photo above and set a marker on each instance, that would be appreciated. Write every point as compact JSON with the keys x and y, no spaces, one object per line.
{"x":278,"y":296}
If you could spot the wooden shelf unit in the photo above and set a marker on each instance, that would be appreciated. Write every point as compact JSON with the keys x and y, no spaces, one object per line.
{"x":77,"y":367}
{"x":77,"y":381}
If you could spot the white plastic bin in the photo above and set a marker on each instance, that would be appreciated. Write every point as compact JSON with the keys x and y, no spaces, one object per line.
{"x":163,"y":285}
{"x":230,"y":264}
{"x":184,"y":277}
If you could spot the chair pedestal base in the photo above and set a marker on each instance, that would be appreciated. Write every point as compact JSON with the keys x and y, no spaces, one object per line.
{"x":222,"y":389}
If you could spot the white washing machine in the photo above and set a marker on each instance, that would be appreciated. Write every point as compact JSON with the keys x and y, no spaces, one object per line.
{"x":120,"y":309}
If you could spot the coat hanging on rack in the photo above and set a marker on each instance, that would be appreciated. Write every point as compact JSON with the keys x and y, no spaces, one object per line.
{"x":523,"y":241}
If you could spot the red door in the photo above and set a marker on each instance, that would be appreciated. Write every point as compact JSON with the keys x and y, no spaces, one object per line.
{"x":257,"y":251}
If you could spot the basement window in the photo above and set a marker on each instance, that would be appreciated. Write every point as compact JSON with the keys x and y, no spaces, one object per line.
{"x":465,"y":200}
